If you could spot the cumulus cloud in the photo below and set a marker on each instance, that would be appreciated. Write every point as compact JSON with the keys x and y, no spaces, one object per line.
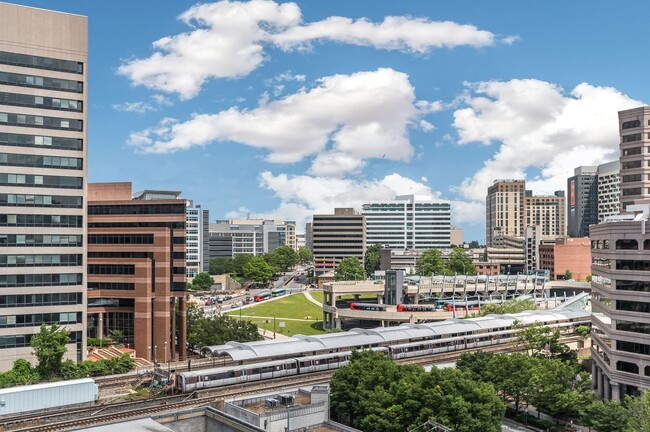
{"x":230,"y":40}
{"x":136,"y":107}
{"x":343,"y":121}
{"x":539,"y":128}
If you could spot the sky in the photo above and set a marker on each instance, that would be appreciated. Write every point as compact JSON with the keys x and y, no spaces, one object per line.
{"x":286,"y":109}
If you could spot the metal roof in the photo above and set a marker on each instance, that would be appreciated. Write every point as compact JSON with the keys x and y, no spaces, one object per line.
{"x":404,"y":333}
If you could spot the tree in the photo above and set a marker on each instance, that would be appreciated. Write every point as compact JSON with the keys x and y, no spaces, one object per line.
{"x":283,"y":257}
{"x":588,"y":278}
{"x":220,"y":266}
{"x":203,"y":281}
{"x":460,"y":263}
{"x":474,"y":244}
{"x":49,"y":346}
{"x":305,"y":255}
{"x":540,"y":341}
{"x":258,"y":270}
{"x":639,"y":408}
{"x":475,"y":364}
{"x":511,"y":375}
{"x":508,"y":307}
{"x":373,"y":256}
{"x":430,"y":262}
{"x":349,"y":269}
{"x":239,"y":262}
{"x":568,"y":274}
{"x":608,"y":416}
{"x":204,"y":330}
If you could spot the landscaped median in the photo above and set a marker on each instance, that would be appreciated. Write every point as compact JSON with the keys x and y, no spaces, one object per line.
{"x":299,"y":315}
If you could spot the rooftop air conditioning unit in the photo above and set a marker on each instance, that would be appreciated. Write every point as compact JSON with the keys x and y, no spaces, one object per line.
{"x":286,"y":399}
{"x":271,"y":403}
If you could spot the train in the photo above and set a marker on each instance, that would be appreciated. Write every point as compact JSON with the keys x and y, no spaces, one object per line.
{"x":306,"y":354}
{"x":372,"y":307}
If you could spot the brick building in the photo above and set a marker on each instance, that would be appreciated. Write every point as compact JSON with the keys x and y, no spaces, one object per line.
{"x":572,"y":254}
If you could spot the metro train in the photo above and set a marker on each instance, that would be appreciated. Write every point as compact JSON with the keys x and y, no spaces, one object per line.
{"x":372,"y":307}
{"x":495,"y":330}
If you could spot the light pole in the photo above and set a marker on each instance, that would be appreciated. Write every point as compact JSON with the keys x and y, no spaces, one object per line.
{"x":155,"y":357}
{"x":165,"y":359}
{"x":149,"y":353}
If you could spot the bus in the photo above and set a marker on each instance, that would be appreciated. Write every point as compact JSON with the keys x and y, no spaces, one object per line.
{"x":371,"y":307}
{"x":278,"y":292}
{"x":262,"y":295}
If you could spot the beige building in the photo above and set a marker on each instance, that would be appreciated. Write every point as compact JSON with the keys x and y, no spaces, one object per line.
{"x":548,"y":212}
{"x":505,"y":210}
{"x":456,"y":236}
{"x":43,"y":149}
{"x":634,"y":129}
{"x":337,"y":236}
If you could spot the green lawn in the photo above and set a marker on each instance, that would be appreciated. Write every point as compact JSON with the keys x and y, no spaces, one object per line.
{"x":292,"y":306}
{"x":317,"y":295}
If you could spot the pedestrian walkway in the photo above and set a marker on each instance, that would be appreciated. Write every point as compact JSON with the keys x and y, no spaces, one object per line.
{"x":268,"y":334}
{"x":311,"y":299}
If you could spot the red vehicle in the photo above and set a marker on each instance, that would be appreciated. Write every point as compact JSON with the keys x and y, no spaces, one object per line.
{"x":261,"y":296}
{"x":372,"y":307}
{"x":460,"y":307}
{"x":416,"y":308}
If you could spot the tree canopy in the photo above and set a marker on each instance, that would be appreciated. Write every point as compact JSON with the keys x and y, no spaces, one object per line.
{"x":205,"y":330}
{"x":349,"y":268}
{"x":430,"y":262}
{"x":374,"y":394}
{"x":305,"y":255}
{"x":202,"y":282}
{"x":49,"y":346}
{"x":372,"y":259}
{"x":508,"y":307}
{"x":460,"y":262}
{"x":219,"y":266}
{"x":283,"y":258}
{"x":258,"y":270}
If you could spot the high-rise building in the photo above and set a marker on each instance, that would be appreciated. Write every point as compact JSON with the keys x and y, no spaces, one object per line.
{"x":43,"y":150}
{"x":634,"y":132}
{"x":197,"y":245}
{"x":548,"y":212}
{"x":309,"y":235}
{"x":592,"y":194}
{"x":136,"y":269}
{"x":337,"y":236}
{"x":255,"y":236}
{"x":409,"y":222}
{"x":505,"y":210}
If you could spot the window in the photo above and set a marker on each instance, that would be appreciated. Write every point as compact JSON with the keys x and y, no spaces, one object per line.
{"x":125,"y":269}
{"x":631,"y":178}
{"x":26,"y":280}
{"x":37,"y":62}
{"x":631,"y":138}
{"x":631,"y":151}
{"x":38,"y":180}
{"x":631,"y":124}
{"x":627,"y":244}
{"x":12,"y":119}
{"x":631,"y":191}
{"x":624,"y":366}
{"x":18,"y":200}
{"x":40,"y":260}
{"x":21,"y":80}
{"x":631,"y":164}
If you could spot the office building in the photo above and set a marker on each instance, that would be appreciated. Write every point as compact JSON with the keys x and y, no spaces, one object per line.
{"x":197,"y":244}
{"x":505,"y":210}
{"x":635,"y":169}
{"x":255,"y":236}
{"x":337,"y":236}
{"x":592,"y":195}
{"x":309,"y":235}
{"x":548,"y":212}
{"x":219,"y":246}
{"x":136,"y":269}
{"x":409,"y":222}
{"x":43,"y":154}
{"x":301,"y":242}
{"x":573,"y":254}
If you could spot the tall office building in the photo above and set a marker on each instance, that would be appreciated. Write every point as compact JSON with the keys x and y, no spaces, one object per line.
{"x":337,"y":236}
{"x":634,"y":132}
{"x":409,"y":222}
{"x":136,"y":269}
{"x":548,"y":212}
{"x":43,"y":149}
{"x":253,"y":236}
{"x":609,"y":190}
{"x":504,"y":210}
{"x":197,"y":245}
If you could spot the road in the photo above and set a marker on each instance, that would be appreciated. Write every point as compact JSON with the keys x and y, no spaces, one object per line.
{"x":508,"y":425}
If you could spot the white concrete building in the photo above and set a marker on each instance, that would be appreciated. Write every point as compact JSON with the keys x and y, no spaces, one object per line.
{"x":256,"y":236}
{"x":409,"y":222}
{"x":197,"y":253}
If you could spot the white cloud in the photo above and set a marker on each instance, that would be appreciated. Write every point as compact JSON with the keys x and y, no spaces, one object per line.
{"x":538,"y":126}
{"x":426,"y":126}
{"x":344,"y":120}
{"x":229,"y":41}
{"x":302,"y":196}
{"x":424,"y":179}
{"x":137,"y":107}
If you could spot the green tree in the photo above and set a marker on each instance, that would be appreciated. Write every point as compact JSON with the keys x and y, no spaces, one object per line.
{"x":258,"y":270}
{"x":540,"y":341}
{"x":639,"y":409}
{"x":349,"y":268}
{"x":22,"y":373}
{"x":610,"y":416}
{"x":283,"y":257}
{"x":474,"y":244}
{"x":203,"y":282}
{"x":49,"y":346}
{"x":239,"y":262}
{"x":220,"y":266}
{"x":430,"y":262}
{"x":203,"y":330}
{"x":508,"y":307}
{"x":372,"y":259}
{"x":476,"y":364}
{"x":511,"y":376}
{"x":305,"y":255}
{"x":460,"y":263}
{"x":588,"y":278}
{"x":568,"y":274}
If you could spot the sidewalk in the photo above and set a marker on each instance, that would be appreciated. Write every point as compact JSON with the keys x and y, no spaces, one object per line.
{"x":532,"y":412}
{"x":311,"y":299}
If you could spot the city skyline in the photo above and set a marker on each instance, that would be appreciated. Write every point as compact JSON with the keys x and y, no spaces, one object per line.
{"x":292,"y":127}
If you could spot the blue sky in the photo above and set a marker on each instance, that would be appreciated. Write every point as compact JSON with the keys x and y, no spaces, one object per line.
{"x":283,"y":109}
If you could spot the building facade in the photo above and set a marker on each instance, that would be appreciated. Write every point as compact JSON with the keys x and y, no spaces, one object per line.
{"x":634,"y":130}
{"x":505,"y":210}
{"x":409,"y":222}
{"x":609,"y":190}
{"x":255,"y":236}
{"x":573,"y":254}
{"x":136,"y":270}
{"x":197,"y":244}
{"x":548,"y":212}
{"x":43,"y":154}
{"x":337,"y":236}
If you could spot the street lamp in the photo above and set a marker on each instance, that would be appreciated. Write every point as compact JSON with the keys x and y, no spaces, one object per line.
{"x":165,"y":351}
{"x":155,"y":357}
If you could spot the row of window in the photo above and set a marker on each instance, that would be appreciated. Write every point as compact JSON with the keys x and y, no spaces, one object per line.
{"x":30,"y":180}
{"x":20,"y":200}
{"x":25,"y":280}
{"x":631,"y":138}
{"x":23,"y":140}
{"x":32,"y":220}
{"x":632,"y":306}
{"x":631,"y":178}
{"x":636,"y":265}
{"x":635,"y":327}
{"x":631,"y":164}
{"x":110,"y":302}
{"x":631,"y":124}
{"x":137,"y":209}
{"x":120,"y":286}
{"x":18,"y":341}
{"x":41,"y":82}
{"x":120,"y":239}
{"x":111,"y":269}
{"x":38,"y":161}
{"x":25,"y":100}
{"x":40,"y":240}
{"x":34,"y":300}
{"x":31,"y":320}
{"x":38,"y":62}
{"x":171,"y":225}
{"x":45,"y":122}
{"x":633,"y":347}
{"x":631,"y":191}
{"x":628,"y":285}
{"x":120,"y":254}
{"x":40,"y":260}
